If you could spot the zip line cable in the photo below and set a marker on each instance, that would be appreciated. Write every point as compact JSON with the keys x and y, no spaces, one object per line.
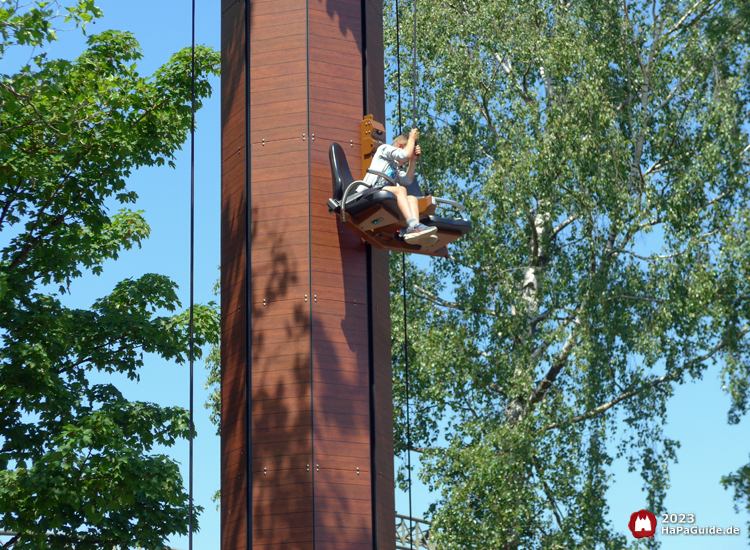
{"x":404,"y":278}
{"x":414,"y":69}
{"x":415,"y":82}
{"x":398,"y":73}
{"x":406,"y":376}
{"x":192,"y":270}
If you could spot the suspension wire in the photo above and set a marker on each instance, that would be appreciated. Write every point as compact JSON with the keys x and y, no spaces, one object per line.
{"x":414,"y":69}
{"x":415,"y":82}
{"x":408,"y":418}
{"x":406,"y":339}
{"x":398,"y":72}
{"x":192,"y":271}
{"x":403,"y":285}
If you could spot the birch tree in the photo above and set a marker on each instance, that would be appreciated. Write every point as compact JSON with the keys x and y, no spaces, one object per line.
{"x":602,"y":150}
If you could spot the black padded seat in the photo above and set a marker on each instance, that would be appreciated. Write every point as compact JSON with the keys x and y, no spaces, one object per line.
{"x":448,"y":224}
{"x":372,"y":197}
{"x":357,"y":202}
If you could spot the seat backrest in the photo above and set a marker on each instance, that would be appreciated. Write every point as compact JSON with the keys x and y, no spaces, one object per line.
{"x":341,"y":174}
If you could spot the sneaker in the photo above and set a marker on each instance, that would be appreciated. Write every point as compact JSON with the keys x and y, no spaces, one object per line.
{"x":432,"y":242}
{"x":419,"y":234}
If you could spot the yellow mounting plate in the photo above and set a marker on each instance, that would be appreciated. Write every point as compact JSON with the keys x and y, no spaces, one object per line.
{"x":372,"y":134}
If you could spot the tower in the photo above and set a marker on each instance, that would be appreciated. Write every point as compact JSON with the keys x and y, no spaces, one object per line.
{"x":307,"y":425}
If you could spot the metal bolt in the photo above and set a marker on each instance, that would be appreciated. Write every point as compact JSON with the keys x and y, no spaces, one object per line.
{"x":357,"y":471}
{"x":313,"y":137}
{"x":264,"y":302}
{"x":351,"y":143}
{"x":264,"y":471}
{"x":308,"y":467}
{"x":317,"y":467}
{"x":315,"y":297}
{"x":305,"y":297}
{"x":263,"y":143}
{"x":303,"y":137}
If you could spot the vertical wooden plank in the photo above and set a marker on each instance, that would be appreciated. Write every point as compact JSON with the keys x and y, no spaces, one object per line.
{"x":279,"y":212}
{"x":375,"y":60}
{"x":382,"y":406}
{"x":383,"y":474}
{"x":335,"y":29}
{"x":233,"y":281}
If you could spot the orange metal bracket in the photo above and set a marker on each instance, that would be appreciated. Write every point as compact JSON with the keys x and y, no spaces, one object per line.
{"x":372,"y":134}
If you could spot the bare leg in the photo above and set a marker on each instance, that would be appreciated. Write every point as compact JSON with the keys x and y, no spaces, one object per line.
{"x":414,"y":206}
{"x":404,"y":204}
{"x":409,"y":206}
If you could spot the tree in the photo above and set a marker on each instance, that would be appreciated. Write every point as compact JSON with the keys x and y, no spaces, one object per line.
{"x":77,"y":465}
{"x":602,"y":150}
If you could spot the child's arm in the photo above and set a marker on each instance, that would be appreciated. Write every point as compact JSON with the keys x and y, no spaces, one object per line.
{"x":413,"y":162}
{"x":409,"y":147}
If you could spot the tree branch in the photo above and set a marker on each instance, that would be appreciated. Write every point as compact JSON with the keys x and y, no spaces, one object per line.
{"x":632,"y":30}
{"x":534,"y":235}
{"x":717,"y":198}
{"x":452,"y":305}
{"x":473,"y":268}
{"x":508,"y":70}
{"x":557,"y":366}
{"x":649,"y":223}
{"x":548,"y":492}
{"x":31,"y":243}
{"x":678,"y":25}
{"x":650,"y":385}
{"x":562,"y":225}
{"x":691,"y":73}
{"x":544,"y":346}
{"x":497,"y":389}
{"x":12,"y":541}
{"x":549,"y":83}
{"x":636,"y":298}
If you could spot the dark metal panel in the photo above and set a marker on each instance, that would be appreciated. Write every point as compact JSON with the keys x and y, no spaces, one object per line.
{"x":382,"y":406}
{"x":233,"y":441}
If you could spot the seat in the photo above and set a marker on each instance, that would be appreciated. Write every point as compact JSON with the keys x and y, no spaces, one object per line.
{"x":373,"y":214}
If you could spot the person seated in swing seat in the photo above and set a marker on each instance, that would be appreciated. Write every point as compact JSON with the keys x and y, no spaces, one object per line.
{"x":389,"y":159}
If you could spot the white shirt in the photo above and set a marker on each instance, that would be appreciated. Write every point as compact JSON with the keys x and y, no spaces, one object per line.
{"x":386,"y":160}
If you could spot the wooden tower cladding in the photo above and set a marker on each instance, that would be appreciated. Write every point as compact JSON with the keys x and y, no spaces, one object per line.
{"x":307,"y":425}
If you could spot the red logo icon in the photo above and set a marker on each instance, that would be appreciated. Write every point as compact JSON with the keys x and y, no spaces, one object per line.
{"x":642,"y":524}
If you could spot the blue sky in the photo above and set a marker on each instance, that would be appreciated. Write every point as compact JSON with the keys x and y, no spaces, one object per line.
{"x":697,"y":414}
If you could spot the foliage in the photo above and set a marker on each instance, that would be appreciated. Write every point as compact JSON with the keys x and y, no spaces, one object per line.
{"x":77,"y":460}
{"x":213,"y":384}
{"x":740,"y":482}
{"x":213,"y":378}
{"x":602,"y":150}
